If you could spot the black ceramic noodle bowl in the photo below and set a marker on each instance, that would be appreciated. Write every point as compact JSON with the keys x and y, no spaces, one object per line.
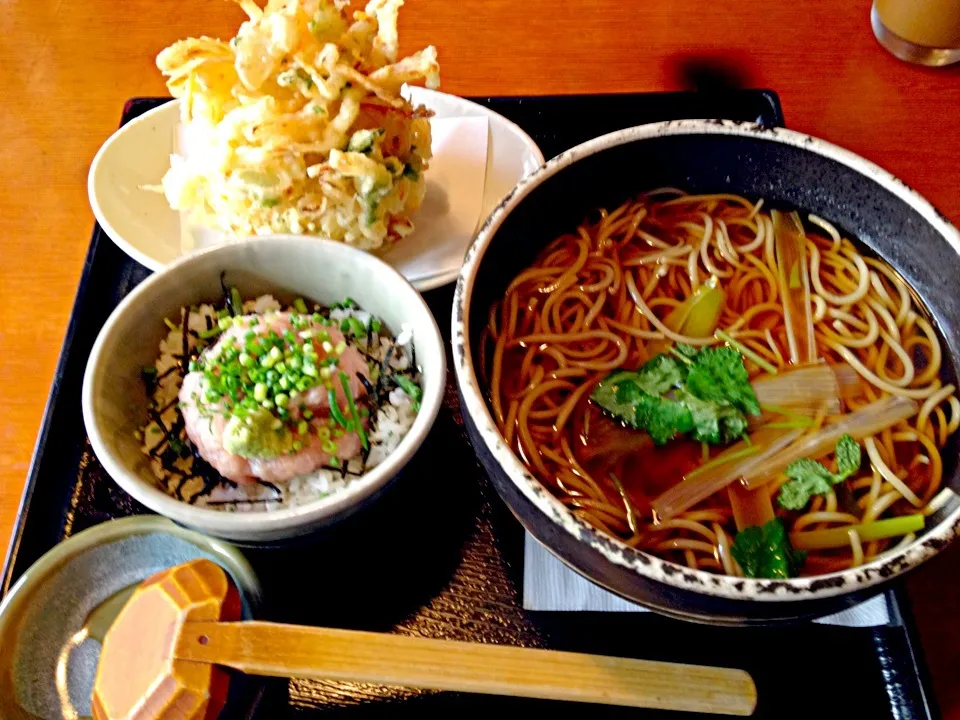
{"x":784,"y":167}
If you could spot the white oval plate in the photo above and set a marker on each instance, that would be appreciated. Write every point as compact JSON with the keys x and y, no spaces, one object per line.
{"x":144,"y":226}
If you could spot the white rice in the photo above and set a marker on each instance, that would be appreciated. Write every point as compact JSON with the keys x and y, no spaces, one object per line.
{"x":391,"y":423}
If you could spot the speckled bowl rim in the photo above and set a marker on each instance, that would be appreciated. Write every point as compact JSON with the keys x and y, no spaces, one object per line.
{"x":110,"y":531}
{"x":288,"y":522}
{"x":613,"y":550}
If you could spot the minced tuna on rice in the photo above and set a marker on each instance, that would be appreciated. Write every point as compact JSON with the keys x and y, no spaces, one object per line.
{"x":255,"y":406}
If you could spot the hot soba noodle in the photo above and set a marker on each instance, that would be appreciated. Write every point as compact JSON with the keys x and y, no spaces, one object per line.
{"x":724,"y":387}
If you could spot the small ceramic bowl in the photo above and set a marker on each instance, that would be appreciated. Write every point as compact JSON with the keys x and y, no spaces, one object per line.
{"x":702,"y":156}
{"x":53,"y":620}
{"x":114,"y":399}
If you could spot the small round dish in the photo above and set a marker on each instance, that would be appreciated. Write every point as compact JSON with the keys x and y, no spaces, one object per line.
{"x":115,"y":402}
{"x":144,"y":226}
{"x":53,"y":620}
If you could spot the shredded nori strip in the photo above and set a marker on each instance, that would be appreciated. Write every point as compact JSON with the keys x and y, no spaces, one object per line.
{"x":371,"y":400}
{"x":168,"y":457}
{"x":167,"y":434}
{"x":367,"y":355}
{"x":150,"y":378}
{"x":185,"y":335}
{"x":165,"y":373}
{"x":169,"y":405}
{"x":384,"y":366}
{"x":242,"y":502}
{"x":228,"y":297}
{"x":367,"y":385}
{"x":270,"y":485}
{"x":211,"y":478}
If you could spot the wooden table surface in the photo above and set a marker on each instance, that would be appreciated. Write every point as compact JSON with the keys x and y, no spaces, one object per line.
{"x":66,"y":67}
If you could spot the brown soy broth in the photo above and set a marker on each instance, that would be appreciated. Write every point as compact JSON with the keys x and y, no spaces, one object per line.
{"x":645,"y":470}
{"x":652,"y":471}
{"x":512,"y":362}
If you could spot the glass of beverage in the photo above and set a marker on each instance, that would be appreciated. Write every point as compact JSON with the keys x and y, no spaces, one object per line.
{"x":919,"y":31}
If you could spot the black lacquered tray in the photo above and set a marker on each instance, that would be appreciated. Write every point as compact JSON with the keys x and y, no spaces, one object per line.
{"x":440,"y":556}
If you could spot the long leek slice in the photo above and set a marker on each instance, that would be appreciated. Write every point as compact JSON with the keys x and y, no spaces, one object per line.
{"x":839,"y":536}
{"x":807,"y":389}
{"x":790,"y":243}
{"x":865,"y":422}
{"x":722,"y":470}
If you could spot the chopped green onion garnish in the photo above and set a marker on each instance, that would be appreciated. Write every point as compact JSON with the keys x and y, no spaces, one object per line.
{"x":352,"y":325}
{"x":335,"y":409}
{"x":411,"y":389}
{"x":236,"y":301}
{"x":345,"y":381}
{"x":300,"y":306}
